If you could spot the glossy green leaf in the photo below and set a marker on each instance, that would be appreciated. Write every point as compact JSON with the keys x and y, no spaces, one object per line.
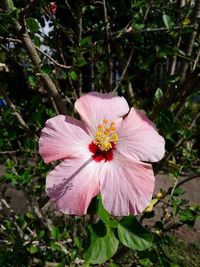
{"x":103,"y":244}
{"x":168,"y":21}
{"x":32,"y":25}
{"x":73,"y":75}
{"x":133,"y":235}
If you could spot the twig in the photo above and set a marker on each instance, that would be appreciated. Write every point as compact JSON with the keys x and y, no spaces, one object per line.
{"x":27,"y":10}
{"x":178,"y":94}
{"x":178,"y":144}
{"x":18,"y":116}
{"x":33,"y":55}
{"x":10,"y":39}
{"x":45,"y":78}
{"x":108,"y":37}
{"x":187,"y":180}
{"x":53,"y":60}
{"x":163,"y":29}
{"x":146,"y":14}
{"x":10,"y":152}
{"x":196,"y":60}
{"x":124,"y":71}
{"x":122,"y":63}
{"x":79,"y":29}
{"x":190,"y":40}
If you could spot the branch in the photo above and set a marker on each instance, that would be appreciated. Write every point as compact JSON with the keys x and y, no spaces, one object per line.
{"x":108,"y":37}
{"x":18,"y":116}
{"x":190,"y":41}
{"x":33,"y":55}
{"x":124,"y":71}
{"x":178,"y":144}
{"x":10,"y":39}
{"x":79,"y":30}
{"x":180,"y":94}
{"x":52,"y":60}
{"x":123,"y":65}
{"x":10,"y":152}
{"x":28,"y":9}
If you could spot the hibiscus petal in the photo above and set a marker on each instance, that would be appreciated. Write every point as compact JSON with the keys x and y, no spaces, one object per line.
{"x":139,"y":139}
{"x":94,"y":107}
{"x":72,"y":185}
{"x":126,"y":186}
{"x":63,"y":137}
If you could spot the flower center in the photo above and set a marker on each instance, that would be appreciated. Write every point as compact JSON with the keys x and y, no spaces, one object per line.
{"x":106,"y":136}
{"x":104,"y":144}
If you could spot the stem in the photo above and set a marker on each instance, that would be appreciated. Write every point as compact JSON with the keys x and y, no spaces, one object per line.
{"x":190,"y":40}
{"x":33,"y":55}
{"x":108,"y":39}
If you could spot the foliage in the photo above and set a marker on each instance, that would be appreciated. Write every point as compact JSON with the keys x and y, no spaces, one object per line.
{"x":147,"y":51}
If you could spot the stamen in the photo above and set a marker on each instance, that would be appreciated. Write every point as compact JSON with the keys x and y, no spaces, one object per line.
{"x":106,"y":136}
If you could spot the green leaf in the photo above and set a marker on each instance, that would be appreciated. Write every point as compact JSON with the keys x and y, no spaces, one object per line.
{"x":81,"y":62}
{"x":104,"y":215}
{"x":73,"y":75}
{"x":47,"y":69}
{"x":55,"y":233}
{"x":32,"y":25}
{"x":10,"y":5}
{"x":187,"y":215}
{"x":86,"y":41}
{"x":178,"y":191}
{"x":103,"y":244}
{"x":32,"y":81}
{"x":133,"y":235}
{"x":168,"y":21}
{"x":55,"y":247}
{"x":33,"y":249}
{"x":158,"y":94}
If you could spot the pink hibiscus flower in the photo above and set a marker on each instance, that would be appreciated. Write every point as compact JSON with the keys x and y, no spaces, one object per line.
{"x":103,"y":152}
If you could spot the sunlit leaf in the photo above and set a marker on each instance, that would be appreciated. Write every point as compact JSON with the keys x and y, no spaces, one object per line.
{"x":168,"y":21}
{"x":103,"y":244}
{"x":133,"y":235}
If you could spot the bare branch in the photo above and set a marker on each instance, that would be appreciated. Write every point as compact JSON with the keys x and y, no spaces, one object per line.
{"x":10,"y":152}
{"x":108,"y":37}
{"x":27,"y":10}
{"x":190,"y":40}
{"x":124,"y":71}
{"x":16,"y":113}
{"x":52,"y":60}
{"x":10,"y":39}
{"x":46,"y":80}
{"x":164,"y":161}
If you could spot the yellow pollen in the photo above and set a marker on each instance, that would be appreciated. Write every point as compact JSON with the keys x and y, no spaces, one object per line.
{"x":106,"y":135}
{"x":106,"y":132}
{"x":112,"y":128}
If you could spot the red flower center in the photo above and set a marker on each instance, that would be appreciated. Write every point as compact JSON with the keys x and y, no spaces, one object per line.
{"x":99,"y":155}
